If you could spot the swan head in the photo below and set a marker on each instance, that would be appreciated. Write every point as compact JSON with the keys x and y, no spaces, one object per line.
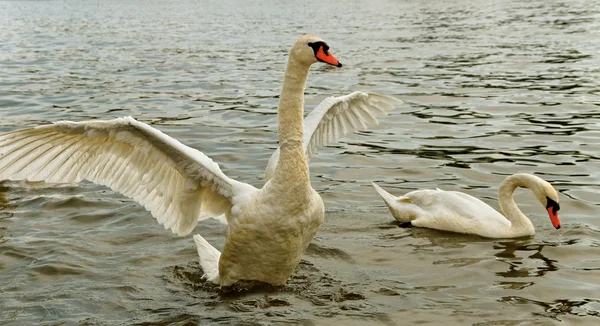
{"x":546,"y":195}
{"x":311,"y":49}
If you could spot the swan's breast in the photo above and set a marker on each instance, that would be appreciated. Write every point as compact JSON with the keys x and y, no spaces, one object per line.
{"x":270,"y":234}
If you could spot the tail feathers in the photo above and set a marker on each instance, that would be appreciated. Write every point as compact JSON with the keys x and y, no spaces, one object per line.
{"x":209,"y":259}
{"x":402,"y":208}
{"x":387,"y":197}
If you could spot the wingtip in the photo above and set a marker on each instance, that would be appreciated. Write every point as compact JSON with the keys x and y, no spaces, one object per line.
{"x":204,"y":248}
{"x":209,"y":259}
{"x":199,"y":240}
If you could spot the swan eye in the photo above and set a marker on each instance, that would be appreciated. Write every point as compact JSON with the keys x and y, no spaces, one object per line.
{"x":552,"y":204}
{"x":321,"y":51}
{"x":317,"y":45}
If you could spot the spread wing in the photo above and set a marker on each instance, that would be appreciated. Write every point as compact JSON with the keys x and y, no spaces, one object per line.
{"x":336,"y":117}
{"x":177,"y":184}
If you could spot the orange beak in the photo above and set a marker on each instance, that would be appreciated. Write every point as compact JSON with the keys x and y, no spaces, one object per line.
{"x":325,"y":56}
{"x":553,"y":217}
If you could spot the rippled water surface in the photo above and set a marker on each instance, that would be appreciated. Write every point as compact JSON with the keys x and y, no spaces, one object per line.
{"x":490,"y":89}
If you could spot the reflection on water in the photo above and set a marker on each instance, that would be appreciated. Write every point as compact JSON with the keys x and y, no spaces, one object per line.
{"x":560,"y":307}
{"x":4,"y":202}
{"x":491,"y":89}
{"x":518,"y":265}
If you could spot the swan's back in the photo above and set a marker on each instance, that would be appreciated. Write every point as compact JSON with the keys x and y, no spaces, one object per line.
{"x":455,"y":211}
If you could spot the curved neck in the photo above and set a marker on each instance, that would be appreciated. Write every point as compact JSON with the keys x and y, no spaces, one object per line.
{"x":519,"y":222}
{"x":291,"y":103}
{"x":292,"y":168}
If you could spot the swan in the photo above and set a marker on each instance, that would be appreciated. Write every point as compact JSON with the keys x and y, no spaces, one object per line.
{"x":458,"y":212}
{"x":268,"y":229}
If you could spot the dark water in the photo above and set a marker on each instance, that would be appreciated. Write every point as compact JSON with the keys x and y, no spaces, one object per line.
{"x":491,"y":89}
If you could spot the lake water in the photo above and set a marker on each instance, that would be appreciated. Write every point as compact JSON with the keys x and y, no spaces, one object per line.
{"x":491,"y":88}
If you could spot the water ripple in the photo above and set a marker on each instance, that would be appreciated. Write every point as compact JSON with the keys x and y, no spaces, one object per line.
{"x":490,"y":89}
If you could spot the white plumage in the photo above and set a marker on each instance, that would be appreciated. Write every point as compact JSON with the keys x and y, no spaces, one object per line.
{"x":174,"y":182}
{"x":459,"y":212}
{"x":336,"y":117}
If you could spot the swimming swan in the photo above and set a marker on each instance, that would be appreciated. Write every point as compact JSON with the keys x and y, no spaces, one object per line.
{"x":268,"y":229}
{"x":458,"y":212}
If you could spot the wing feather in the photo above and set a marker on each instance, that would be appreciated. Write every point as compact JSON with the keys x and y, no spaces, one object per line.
{"x":176,"y":183}
{"x":167,"y":200}
{"x":60,"y":162}
{"x":336,"y":117}
{"x":14,"y":161}
{"x":121,"y":170}
{"x":355,"y":121}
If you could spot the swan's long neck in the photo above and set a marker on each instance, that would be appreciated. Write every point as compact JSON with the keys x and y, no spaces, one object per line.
{"x":291,"y":103}
{"x":519,"y":222}
{"x":292,"y":169}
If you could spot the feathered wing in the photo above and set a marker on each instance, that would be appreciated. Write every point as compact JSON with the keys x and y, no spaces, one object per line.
{"x":336,"y":117}
{"x":209,"y":259}
{"x":177,"y":184}
{"x":461,"y":210}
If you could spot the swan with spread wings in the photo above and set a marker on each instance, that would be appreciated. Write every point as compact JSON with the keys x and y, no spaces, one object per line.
{"x":268,"y":229}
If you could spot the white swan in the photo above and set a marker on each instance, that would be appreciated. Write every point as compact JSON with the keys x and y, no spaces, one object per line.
{"x":268,"y":228}
{"x":458,"y":212}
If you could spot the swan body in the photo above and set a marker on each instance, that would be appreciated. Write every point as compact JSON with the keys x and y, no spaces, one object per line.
{"x":458,"y":212}
{"x":268,"y":229}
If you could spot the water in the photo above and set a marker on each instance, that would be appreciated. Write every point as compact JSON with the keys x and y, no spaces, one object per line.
{"x":491,"y":89}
